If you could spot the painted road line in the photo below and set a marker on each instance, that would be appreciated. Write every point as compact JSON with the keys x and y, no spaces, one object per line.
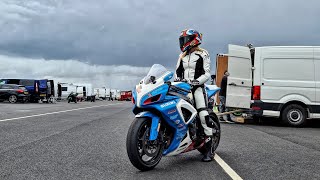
{"x":227,"y":168}
{"x":57,"y":112}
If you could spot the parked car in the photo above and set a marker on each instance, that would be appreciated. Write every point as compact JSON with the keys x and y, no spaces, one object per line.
{"x":37,"y":89}
{"x":13,"y":93}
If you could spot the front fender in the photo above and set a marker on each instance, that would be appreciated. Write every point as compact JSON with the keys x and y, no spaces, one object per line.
{"x":154,"y":123}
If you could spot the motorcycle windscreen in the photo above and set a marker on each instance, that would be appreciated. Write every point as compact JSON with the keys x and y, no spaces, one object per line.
{"x":155,"y":72}
{"x":240,"y":79}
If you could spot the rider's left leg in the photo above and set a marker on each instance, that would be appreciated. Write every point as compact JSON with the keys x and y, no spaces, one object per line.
{"x":206,"y":122}
{"x":201,"y":106}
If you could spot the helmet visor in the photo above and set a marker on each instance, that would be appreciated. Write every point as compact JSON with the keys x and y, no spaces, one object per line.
{"x":184,"y":40}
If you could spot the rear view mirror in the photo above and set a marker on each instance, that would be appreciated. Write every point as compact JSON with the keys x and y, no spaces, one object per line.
{"x":153,"y":79}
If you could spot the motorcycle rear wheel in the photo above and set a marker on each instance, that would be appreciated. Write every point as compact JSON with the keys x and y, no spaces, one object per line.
{"x":143,"y":153}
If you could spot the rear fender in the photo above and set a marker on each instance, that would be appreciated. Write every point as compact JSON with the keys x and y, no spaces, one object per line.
{"x":154,"y":123}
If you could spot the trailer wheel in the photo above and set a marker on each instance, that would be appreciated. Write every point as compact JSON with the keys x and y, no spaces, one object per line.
{"x":294,"y":115}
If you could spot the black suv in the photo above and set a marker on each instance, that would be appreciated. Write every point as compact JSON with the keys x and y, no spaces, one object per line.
{"x":13,"y":93}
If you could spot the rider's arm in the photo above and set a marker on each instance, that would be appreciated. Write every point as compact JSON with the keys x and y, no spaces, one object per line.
{"x":179,"y":70}
{"x":206,"y":67}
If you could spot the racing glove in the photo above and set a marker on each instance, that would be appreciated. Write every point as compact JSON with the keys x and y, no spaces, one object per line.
{"x":195,"y":82}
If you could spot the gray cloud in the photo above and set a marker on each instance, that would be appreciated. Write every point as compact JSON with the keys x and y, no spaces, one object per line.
{"x":72,"y":71}
{"x":144,"y":32}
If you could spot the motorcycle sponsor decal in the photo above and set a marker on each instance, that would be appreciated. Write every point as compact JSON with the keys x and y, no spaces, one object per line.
{"x":172,"y":111}
{"x":180,"y":125}
{"x":166,"y":104}
{"x":174,"y":117}
{"x":183,"y":127}
{"x":177,"y":121}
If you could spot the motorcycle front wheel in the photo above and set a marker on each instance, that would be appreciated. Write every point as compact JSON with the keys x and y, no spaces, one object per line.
{"x":143,"y":153}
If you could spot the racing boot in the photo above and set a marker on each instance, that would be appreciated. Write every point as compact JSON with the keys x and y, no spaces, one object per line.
{"x":208,"y":155}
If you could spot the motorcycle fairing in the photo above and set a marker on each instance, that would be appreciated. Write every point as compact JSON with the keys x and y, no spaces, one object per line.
{"x":211,"y":90}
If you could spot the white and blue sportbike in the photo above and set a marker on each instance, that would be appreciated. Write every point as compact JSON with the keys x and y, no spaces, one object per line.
{"x":166,"y":121}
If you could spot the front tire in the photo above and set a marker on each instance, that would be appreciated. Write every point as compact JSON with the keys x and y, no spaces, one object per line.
{"x":294,"y":115}
{"x":143,"y":153}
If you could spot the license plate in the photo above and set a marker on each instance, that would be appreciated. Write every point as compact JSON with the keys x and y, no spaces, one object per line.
{"x":26,"y":93}
{"x":42,"y":95}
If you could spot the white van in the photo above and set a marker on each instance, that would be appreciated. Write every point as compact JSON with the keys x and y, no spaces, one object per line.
{"x":275,"y":81}
{"x":118,"y":94}
{"x":108,"y":93}
{"x":64,"y":89}
{"x":96,"y":93}
{"x":113,"y":94}
{"x":87,"y":90}
{"x":100,"y":93}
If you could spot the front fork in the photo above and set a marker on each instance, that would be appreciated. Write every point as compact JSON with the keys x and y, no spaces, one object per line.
{"x":155,"y":124}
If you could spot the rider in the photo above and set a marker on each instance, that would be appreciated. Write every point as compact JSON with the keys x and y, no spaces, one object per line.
{"x":194,"y":66}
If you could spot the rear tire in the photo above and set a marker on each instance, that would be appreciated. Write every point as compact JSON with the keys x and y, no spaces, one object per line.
{"x":294,"y":115}
{"x":13,"y":99}
{"x":138,"y":145}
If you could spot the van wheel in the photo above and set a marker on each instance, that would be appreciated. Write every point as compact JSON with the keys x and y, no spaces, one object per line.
{"x":294,"y":115}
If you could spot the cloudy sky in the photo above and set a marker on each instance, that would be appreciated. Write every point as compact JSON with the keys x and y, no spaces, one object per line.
{"x":113,"y":43}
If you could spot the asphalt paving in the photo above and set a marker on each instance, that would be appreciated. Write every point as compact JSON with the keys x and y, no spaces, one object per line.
{"x":87,"y":141}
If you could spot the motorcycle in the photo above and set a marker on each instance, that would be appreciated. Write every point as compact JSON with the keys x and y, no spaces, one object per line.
{"x":166,"y":122}
{"x":72,"y":97}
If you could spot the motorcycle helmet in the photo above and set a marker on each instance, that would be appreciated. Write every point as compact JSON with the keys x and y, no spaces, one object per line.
{"x":189,"y":38}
